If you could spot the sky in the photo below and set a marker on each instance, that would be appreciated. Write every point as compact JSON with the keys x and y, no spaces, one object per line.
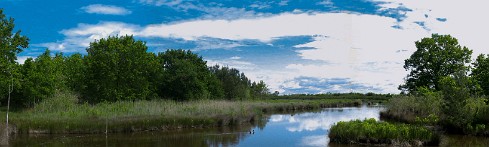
{"x":295,"y":46}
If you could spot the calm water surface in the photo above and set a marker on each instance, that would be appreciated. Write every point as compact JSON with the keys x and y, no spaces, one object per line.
{"x":296,"y":129}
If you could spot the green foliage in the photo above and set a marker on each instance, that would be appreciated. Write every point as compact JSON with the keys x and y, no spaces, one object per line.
{"x":430,"y":120}
{"x":372,"y":131}
{"x":481,"y":73}
{"x":11,"y":43}
{"x":61,"y":113}
{"x":40,"y":79}
{"x":116,"y":69}
{"x":435,"y":58}
{"x":186,"y":77}
{"x":74,"y":72}
{"x":407,"y":108}
{"x":236,"y":85}
{"x":259,"y":90}
{"x":456,"y":93}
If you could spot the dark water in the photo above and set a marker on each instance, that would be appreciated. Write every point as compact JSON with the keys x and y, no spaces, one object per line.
{"x":299,"y":129}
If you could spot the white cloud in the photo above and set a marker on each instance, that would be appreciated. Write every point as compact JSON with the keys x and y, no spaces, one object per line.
{"x":77,"y":39}
{"x":235,"y":58}
{"x":105,"y":9}
{"x":318,"y":140}
{"x":465,"y":19}
{"x":161,"y":2}
{"x":21,"y":59}
{"x":327,"y":3}
{"x":363,"y":48}
{"x":52,"y":46}
{"x":283,"y":3}
{"x":233,"y":63}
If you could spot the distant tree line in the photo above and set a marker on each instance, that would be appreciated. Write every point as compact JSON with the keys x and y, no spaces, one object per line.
{"x":116,"y":69}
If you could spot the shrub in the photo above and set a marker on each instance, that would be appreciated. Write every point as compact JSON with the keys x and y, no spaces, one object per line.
{"x":372,"y":131}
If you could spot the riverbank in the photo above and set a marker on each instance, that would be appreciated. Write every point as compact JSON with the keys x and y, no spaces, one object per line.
{"x":63,"y":115}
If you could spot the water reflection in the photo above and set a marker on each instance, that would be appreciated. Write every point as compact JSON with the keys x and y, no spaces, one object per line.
{"x":292,"y":129}
{"x":325,"y":119}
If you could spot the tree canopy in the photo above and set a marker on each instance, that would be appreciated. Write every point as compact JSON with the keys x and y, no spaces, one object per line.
{"x":116,"y":69}
{"x":481,"y":72}
{"x":11,"y":43}
{"x":435,"y":58}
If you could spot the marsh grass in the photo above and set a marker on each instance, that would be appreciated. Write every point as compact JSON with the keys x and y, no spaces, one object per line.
{"x":63,"y":114}
{"x":371,"y":131}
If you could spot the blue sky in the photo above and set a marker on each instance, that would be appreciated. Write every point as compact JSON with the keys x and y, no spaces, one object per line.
{"x":295,"y":46}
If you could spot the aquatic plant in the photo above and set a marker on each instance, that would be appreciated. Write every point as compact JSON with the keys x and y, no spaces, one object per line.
{"x":370,"y":131}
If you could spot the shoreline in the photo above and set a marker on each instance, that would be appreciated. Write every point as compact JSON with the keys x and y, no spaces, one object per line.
{"x":137,"y":123}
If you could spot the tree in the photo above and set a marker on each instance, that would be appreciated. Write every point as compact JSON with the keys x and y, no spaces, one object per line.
{"x":39,"y":80}
{"x":116,"y":69}
{"x":235,"y":84}
{"x":259,"y":89}
{"x":74,"y":71}
{"x":186,"y":77}
{"x":456,"y":90}
{"x":10,"y":45}
{"x":481,"y":73}
{"x":435,"y":57}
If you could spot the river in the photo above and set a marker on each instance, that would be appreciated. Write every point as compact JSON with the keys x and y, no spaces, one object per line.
{"x":292,"y":129}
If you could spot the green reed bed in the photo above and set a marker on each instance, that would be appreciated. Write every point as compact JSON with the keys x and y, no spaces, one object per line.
{"x":371,"y":131}
{"x":62,"y":114}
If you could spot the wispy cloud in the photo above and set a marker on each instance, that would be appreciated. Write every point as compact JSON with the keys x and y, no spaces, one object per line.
{"x":161,"y":2}
{"x":105,"y":9}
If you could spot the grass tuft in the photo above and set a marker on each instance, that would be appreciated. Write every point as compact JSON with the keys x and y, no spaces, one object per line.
{"x":370,"y":131}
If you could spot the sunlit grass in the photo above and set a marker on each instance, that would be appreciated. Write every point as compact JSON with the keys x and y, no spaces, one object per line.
{"x":63,"y":114}
{"x":371,"y":131}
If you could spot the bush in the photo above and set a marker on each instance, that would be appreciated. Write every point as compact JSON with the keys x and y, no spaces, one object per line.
{"x":372,"y":131}
{"x":426,"y":104}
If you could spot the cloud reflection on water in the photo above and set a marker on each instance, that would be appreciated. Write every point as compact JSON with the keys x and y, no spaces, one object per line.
{"x":324,"y":121}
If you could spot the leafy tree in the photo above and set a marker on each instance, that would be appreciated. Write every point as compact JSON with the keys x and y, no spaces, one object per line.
{"x":481,"y":73}
{"x":116,"y":69}
{"x":186,"y":77}
{"x":10,"y":45}
{"x":259,"y":89}
{"x":435,"y":57}
{"x":39,"y":79}
{"x":74,"y":72}
{"x":235,"y":84}
{"x":456,"y":90}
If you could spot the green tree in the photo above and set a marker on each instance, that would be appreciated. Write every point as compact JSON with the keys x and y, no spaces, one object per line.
{"x":235,"y":84}
{"x":259,"y":89}
{"x":40,"y":79}
{"x":117,"y":69}
{"x":435,"y":57}
{"x":10,"y":45}
{"x":481,"y":73}
{"x":186,"y":77}
{"x":74,"y":72}
{"x":456,"y":90}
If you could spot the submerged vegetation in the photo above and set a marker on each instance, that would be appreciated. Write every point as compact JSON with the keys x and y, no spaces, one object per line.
{"x":371,"y":131}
